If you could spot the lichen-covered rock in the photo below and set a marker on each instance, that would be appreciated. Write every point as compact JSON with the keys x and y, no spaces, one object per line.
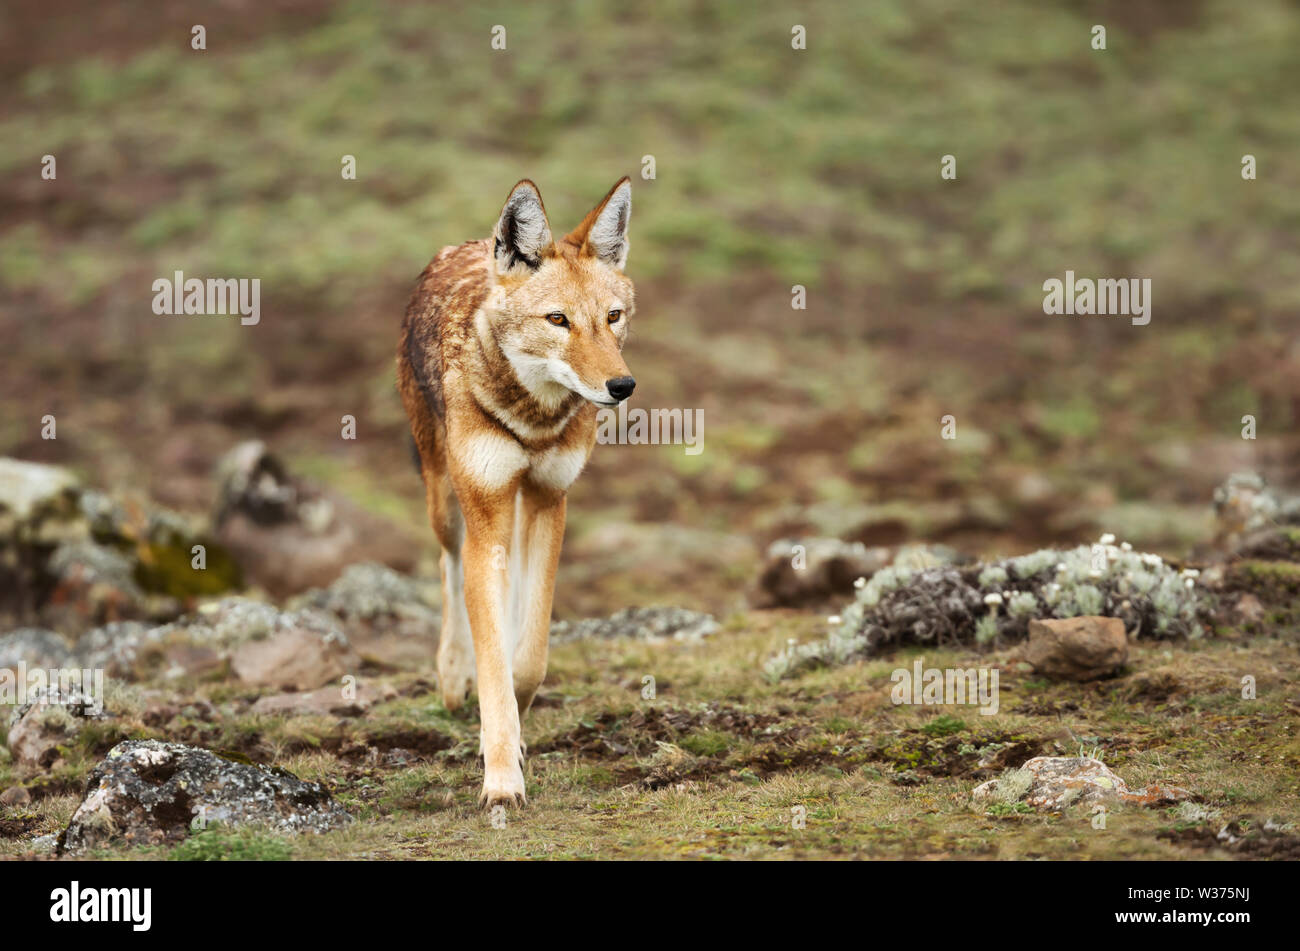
{"x":35,"y":499}
{"x":117,"y":648}
{"x":1245,"y":504}
{"x":92,"y":584}
{"x":38,"y":511}
{"x":811,"y":571}
{"x":1054,"y":783}
{"x":389,"y":617}
{"x":1077,"y":648}
{"x":46,"y":722}
{"x":203,"y":643}
{"x":993,"y":603}
{"x":289,"y":535}
{"x":72,"y":558}
{"x":34,"y":646}
{"x":146,"y":792}
{"x":641,"y":623}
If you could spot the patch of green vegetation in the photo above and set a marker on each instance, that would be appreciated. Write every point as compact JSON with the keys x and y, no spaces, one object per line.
{"x":219,"y":844}
{"x":944,"y":725}
{"x":706,"y":742}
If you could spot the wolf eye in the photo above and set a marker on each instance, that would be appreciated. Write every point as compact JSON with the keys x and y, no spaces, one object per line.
{"x":558,"y":319}
{"x":614,"y":315}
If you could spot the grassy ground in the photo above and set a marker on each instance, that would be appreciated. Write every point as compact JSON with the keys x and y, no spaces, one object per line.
{"x":773,"y":167}
{"x":714,"y":766}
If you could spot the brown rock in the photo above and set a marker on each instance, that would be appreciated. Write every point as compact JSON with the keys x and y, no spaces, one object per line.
{"x":192,"y":660}
{"x":289,"y":535}
{"x":15,"y":796}
{"x":1248,"y":609}
{"x":327,"y":701}
{"x":1077,"y":648}
{"x":296,"y":659}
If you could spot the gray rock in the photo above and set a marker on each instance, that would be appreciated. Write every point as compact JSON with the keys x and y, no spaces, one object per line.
{"x":389,"y":617}
{"x":29,"y":490}
{"x":641,"y":623}
{"x":201,"y":643}
{"x":35,"y":646}
{"x":370,"y":591}
{"x":116,"y":648}
{"x":146,"y":792}
{"x":92,"y":584}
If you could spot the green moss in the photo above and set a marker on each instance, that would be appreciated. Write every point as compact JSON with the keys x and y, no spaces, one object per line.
{"x":167,"y":567}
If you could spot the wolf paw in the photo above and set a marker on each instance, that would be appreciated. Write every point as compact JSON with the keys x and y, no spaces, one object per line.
{"x":503,"y":787}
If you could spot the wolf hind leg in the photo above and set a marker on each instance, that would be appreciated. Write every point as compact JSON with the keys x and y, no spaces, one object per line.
{"x":456,"y":668}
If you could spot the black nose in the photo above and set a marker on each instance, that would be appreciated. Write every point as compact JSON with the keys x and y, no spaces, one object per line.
{"x":621,"y":387}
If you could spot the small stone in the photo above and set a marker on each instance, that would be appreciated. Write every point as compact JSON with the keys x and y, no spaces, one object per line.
{"x":15,"y":796}
{"x":1248,"y":609}
{"x":1077,"y":648}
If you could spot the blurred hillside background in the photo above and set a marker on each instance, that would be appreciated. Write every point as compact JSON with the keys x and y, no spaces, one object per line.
{"x":774,"y":167}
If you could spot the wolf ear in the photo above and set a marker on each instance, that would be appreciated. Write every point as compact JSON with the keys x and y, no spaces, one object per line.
{"x":603,"y":233}
{"x":522,"y":235}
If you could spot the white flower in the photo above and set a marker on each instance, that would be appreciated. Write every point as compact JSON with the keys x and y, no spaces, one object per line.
{"x":860,"y":583}
{"x":1126,"y":546}
{"x":833,"y":619}
{"x":993,"y":599}
{"x":1108,"y":539}
{"x":1190,"y":584}
{"x":1191,"y":573}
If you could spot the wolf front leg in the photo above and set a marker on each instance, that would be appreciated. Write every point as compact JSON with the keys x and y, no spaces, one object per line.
{"x":489,"y":521}
{"x":543,"y":512}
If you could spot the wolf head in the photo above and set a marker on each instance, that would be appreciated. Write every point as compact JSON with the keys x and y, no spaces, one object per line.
{"x":559,"y":310}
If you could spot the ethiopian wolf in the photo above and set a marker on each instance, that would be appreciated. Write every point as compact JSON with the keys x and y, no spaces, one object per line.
{"x":508,"y":347}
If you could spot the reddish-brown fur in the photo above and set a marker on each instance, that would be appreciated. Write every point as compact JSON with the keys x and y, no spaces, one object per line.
{"x":499,"y":401}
